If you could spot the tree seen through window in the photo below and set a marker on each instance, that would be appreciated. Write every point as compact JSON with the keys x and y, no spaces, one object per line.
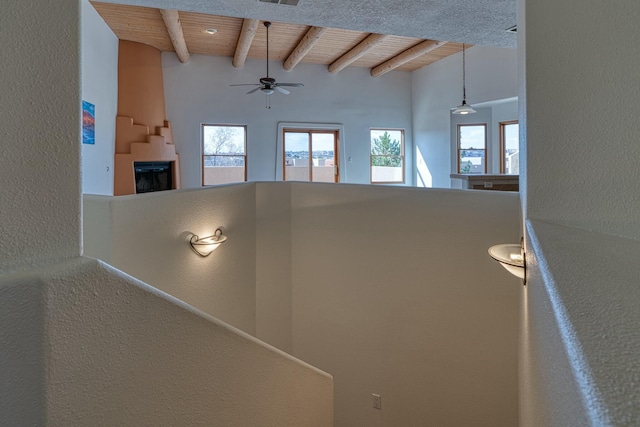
{"x":223,"y":154}
{"x":387,"y":156}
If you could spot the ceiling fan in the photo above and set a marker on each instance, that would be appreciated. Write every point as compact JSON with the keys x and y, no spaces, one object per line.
{"x":268,"y":85}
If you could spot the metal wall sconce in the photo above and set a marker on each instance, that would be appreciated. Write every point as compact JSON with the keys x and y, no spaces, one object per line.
{"x":204,"y":246}
{"x":511,"y":257}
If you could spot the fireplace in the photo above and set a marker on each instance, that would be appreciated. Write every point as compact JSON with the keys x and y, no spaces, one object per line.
{"x":153,"y":176}
{"x":144,"y":162}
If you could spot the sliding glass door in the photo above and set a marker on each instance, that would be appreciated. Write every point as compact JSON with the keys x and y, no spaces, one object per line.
{"x":311,"y":155}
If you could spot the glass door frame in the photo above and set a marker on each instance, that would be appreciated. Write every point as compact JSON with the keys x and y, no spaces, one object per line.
{"x":341,"y":159}
{"x":501,"y":129}
{"x":311,"y":132}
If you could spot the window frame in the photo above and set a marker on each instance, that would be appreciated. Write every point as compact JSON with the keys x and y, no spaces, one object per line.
{"x":501,"y":130}
{"x":485,"y":149}
{"x":402,"y":156}
{"x":310,"y":131}
{"x":203,"y":155}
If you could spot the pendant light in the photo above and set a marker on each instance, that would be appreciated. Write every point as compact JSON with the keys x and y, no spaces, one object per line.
{"x":464,"y":108}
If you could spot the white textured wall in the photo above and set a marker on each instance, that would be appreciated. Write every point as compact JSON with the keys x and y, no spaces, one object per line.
{"x":581,"y":315}
{"x":100,"y":87}
{"x":356,"y":279}
{"x":394,"y":293}
{"x":273,"y":264}
{"x":550,"y":394}
{"x":80,"y":343}
{"x":149,"y":240}
{"x":491,"y":75}
{"x":199,"y":92}
{"x":119,"y":352}
{"x":582,"y":121}
{"x":97,"y":227}
{"x":40,"y":192}
{"x":22,"y":352}
{"x":582,"y":328}
{"x":40,"y":114}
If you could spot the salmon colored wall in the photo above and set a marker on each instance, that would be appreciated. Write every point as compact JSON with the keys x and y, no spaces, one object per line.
{"x":142,"y":147}
{"x":140,"y":84}
{"x":142,"y":132}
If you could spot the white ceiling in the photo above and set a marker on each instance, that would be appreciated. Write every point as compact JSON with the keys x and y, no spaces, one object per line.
{"x":481,"y":22}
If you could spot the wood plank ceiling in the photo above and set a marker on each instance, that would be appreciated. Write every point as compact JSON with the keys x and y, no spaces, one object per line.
{"x":185,"y":33}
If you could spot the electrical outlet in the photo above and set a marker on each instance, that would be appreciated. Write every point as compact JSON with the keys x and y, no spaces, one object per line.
{"x":377,"y":401}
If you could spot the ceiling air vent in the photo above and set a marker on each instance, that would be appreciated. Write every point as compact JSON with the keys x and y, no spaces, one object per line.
{"x":513,"y":29}
{"x":287,"y":2}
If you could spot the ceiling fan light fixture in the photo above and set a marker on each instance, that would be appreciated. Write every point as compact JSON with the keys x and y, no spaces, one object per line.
{"x":285,"y":2}
{"x":268,"y":85}
{"x":464,"y":108}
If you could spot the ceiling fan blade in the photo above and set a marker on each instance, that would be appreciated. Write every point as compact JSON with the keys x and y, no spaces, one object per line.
{"x":282,"y":90}
{"x":268,"y":84}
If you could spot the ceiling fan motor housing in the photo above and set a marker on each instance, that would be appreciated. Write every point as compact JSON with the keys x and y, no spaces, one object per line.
{"x":268,"y":81}
{"x":268,"y":85}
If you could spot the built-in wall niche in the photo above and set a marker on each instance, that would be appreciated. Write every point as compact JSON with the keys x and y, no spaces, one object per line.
{"x":153,"y":176}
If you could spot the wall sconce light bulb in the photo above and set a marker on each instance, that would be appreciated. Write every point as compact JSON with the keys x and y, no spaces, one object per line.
{"x":511,"y":257}
{"x":205,"y":245}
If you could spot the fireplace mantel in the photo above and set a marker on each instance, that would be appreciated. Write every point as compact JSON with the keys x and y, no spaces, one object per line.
{"x":144,"y":148}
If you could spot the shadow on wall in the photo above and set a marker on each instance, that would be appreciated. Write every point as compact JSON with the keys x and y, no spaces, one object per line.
{"x":120,"y":350}
{"x":390,"y":289}
{"x":423,"y":178}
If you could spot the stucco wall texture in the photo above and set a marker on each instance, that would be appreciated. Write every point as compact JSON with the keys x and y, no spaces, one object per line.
{"x":394,"y":294}
{"x":40,"y":93}
{"x":361,"y":281}
{"x":579,"y":134}
{"x":149,"y":237}
{"x":40,"y":63}
{"x":92,"y":346}
{"x":582,"y":298}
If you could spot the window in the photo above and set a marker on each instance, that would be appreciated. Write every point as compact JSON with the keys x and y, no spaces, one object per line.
{"x":224,"y":158}
{"x":509,"y":147}
{"x":310,"y":155}
{"x":387,"y":156}
{"x":472,"y":148}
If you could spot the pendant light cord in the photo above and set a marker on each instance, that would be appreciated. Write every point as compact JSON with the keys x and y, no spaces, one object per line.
{"x":268,"y":97}
{"x":268,"y":24}
{"x":464,"y":86}
{"x":464,"y":108}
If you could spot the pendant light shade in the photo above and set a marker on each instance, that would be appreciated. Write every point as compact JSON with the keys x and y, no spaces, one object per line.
{"x":464,"y":108}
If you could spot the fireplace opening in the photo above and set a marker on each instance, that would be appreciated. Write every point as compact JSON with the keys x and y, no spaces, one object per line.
{"x":153,"y":176}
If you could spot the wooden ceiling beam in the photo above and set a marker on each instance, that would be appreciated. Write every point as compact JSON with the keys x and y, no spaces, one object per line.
{"x":410,"y":54}
{"x":248,"y":32}
{"x":357,"y":52}
{"x":306,"y":44}
{"x":171,"y":20}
